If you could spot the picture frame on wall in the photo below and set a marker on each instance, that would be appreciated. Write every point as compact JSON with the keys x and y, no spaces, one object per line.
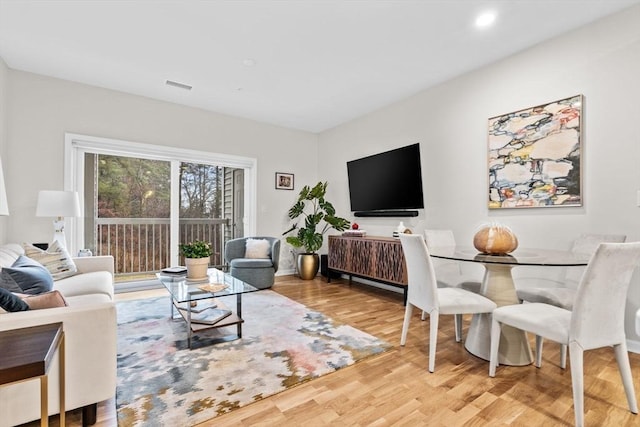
{"x":535,"y":156}
{"x":284,"y":181}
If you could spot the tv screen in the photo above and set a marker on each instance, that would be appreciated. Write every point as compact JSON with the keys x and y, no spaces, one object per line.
{"x":387,"y":181}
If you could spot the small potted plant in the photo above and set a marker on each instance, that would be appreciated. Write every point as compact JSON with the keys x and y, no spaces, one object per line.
{"x":311,"y":235}
{"x":196,"y":257}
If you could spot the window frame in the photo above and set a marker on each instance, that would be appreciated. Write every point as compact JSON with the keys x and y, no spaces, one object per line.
{"x":76,"y":145}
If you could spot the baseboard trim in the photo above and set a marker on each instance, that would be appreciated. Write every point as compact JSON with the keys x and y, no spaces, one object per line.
{"x":141,"y":285}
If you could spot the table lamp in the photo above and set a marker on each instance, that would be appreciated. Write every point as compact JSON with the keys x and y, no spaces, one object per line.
{"x":58,"y":204}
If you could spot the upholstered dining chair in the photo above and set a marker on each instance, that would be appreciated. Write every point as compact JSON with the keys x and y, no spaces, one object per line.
{"x":449,"y":273}
{"x":424,"y":294}
{"x":596,"y":320}
{"x":562,"y":293}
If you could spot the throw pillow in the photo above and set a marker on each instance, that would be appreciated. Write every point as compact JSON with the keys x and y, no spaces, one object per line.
{"x":11,"y":302}
{"x":26,"y":276}
{"x":51,"y":299}
{"x":56,"y":259}
{"x":257,"y":248}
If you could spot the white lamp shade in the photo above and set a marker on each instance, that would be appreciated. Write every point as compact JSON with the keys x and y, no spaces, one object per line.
{"x":58,"y":204}
{"x":4,"y":207}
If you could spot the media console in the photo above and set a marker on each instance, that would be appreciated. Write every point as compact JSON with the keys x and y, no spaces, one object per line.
{"x":375,"y":258}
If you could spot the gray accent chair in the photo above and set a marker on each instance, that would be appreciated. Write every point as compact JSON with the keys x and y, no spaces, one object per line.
{"x":259,"y":272}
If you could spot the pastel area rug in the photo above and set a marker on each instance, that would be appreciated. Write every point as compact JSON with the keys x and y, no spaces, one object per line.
{"x":162,"y":382}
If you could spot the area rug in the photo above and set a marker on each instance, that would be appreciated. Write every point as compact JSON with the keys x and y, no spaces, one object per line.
{"x":284,"y":343}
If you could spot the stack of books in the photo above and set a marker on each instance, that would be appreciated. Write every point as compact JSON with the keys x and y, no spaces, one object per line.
{"x":174,"y":271}
{"x":354,"y":233}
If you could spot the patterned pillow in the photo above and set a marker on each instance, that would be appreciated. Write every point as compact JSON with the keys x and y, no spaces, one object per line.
{"x":26,"y":276}
{"x":257,"y":248}
{"x":56,"y":259}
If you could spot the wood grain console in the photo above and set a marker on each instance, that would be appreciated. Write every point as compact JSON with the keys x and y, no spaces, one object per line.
{"x":375,"y":258}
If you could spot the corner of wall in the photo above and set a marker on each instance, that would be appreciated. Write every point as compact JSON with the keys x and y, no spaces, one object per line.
{"x":4,"y":75}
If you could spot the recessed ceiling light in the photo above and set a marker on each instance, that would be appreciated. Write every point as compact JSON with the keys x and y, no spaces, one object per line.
{"x":178,"y":85}
{"x":248,"y":62}
{"x":486,"y":19}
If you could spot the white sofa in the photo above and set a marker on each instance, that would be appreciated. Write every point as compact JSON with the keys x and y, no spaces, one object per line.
{"x":90,"y":334}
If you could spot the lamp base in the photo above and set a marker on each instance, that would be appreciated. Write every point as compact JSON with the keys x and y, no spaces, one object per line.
{"x":58,"y":232}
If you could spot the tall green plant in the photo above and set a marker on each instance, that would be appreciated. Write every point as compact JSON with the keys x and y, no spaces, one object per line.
{"x":312,"y":206}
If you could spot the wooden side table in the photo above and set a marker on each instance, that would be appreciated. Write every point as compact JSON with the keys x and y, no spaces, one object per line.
{"x":27,"y":354}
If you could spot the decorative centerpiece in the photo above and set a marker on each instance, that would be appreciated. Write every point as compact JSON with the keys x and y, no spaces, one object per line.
{"x":196,"y":258}
{"x":309,"y":236}
{"x":495,"y":239}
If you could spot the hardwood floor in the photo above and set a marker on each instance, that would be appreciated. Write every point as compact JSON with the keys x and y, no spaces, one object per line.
{"x":395,"y":388}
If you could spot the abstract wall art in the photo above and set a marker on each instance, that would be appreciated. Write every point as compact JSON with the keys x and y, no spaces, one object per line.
{"x":535,"y":156}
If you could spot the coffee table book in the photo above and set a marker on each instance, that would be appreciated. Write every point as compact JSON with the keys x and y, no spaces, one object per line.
{"x":210,"y":317}
{"x":228,"y":320}
{"x":171,"y":271}
{"x":201,"y":306}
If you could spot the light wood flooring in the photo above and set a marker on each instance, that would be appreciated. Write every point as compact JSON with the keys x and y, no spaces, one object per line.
{"x":395,"y":388}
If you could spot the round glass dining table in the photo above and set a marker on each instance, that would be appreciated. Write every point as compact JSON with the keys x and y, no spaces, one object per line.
{"x":498,"y":286}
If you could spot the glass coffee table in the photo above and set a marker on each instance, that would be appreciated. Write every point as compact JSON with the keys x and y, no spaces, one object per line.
{"x":195,"y":302}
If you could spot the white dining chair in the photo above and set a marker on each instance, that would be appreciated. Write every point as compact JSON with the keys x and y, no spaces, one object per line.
{"x":449,"y":273}
{"x":597,"y":319}
{"x":424,"y":294}
{"x":562,"y":292}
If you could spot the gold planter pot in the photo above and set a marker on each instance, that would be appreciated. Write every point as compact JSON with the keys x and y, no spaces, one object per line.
{"x":308,"y":265}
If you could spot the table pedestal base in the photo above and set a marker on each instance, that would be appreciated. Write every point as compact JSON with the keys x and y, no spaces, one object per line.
{"x":498,"y":286}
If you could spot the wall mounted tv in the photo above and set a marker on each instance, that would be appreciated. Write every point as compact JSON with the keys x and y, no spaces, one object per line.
{"x":387,"y":184}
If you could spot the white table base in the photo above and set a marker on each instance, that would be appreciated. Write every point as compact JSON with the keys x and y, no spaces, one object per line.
{"x":498,"y":286}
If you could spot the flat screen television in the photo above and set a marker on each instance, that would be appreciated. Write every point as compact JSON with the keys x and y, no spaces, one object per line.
{"x":387,"y":184}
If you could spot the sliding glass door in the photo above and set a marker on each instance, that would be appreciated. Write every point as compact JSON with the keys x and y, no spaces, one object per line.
{"x":201,"y":207}
{"x":139,"y":207}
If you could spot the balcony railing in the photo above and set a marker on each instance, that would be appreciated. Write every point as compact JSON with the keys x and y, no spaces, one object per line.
{"x":141,"y":245}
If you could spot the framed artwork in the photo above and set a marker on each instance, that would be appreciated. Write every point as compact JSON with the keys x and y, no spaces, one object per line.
{"x":284,"y":181}
{"x":535,"y":156}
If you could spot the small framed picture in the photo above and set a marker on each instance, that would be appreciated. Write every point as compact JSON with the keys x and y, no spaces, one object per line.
{"x":284,"y":181}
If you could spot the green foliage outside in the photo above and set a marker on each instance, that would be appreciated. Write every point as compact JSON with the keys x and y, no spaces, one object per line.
{"x":133,"y":188}
{"x":141,"y":188}
{"x":312,"y":206}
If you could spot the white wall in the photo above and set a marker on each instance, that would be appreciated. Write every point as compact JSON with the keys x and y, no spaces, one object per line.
{"x":600,"y":61}
{"x":42,"y":109}
{"x":3,"y":132}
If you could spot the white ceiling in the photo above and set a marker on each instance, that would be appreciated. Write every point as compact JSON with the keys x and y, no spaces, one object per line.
{"x":317,"y":63}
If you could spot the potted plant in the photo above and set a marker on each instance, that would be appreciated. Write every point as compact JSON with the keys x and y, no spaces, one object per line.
{"x":319,"y":217}
{"x":196,"y":257}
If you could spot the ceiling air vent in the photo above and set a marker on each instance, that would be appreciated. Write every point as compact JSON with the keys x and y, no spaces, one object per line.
{"x":178,"y":85}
